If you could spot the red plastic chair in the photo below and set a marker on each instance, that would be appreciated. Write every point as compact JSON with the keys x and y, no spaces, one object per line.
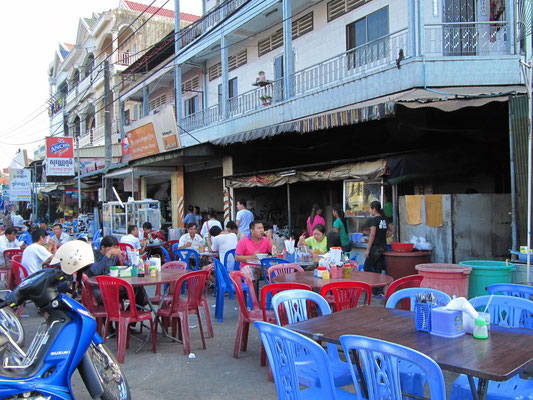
{"x":345,"y":294}
{"x":180,"y":308}
{"x":246,"y":317}
{"x":268,"y":315}
{"x":410,"y":281}
{"x":168,"y":247}
{"x":280,"y":269}
{"x":8,"y":254}
{"x":205,"y":303}
{"x":17,"y":258}
{"x":17,"y":268}
{"x":124,"y":247}
{"x":89,"y":302}
{"x":180,"y":265}
{"x":116,"y":312}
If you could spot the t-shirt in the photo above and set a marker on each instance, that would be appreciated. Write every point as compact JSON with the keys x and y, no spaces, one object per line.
{"x":245,"y":217}
{"x":320,"y":246}
{"x":132,"y":240}
{"x":318,"y":220}
{"x":63,"y":238}
{"x":224,"y":243}
{"x":6,"y":244}
{"x":345,"y":237}
{"x":190,"y":217}
{"x":208,"y":225}
{"x":196,"y":242}
{"x":381,"y":231}
{"x":247,"y":247}
{"x":34,"y":256}
{"x":17,"y":220}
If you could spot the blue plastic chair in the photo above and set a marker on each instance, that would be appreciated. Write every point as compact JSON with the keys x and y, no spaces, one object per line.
{"x":25,"y":237}
{"x":381,"y":362}
{"x":410,"y":293}
{"x":230,"y":255}
{"x":96,"y":244}
{"x":507,"y":311}
{"x":224,"y":285}
{"x":97,"y":235}
{"x":511,"y":289}
{"x":166,"y":256}
{"x":413,"y":378}
{"x":267,"y":262}
{"x":285,"y":350}
{"x":185,"y":255}
{"x":296,"y":304}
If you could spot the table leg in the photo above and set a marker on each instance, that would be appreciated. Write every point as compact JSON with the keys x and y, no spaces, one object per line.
{"x":479,"y":393}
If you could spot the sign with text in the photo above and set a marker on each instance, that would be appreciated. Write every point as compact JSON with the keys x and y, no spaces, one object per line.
{"x":19,"y":185}
{"x":59,"y":156}
{"x":153,"y":134}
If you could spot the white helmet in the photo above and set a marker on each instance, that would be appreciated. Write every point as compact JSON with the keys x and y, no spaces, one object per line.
{"x":73,"y":256}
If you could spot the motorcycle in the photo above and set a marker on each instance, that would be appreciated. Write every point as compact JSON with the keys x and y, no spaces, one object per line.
{"x":65,"y":341}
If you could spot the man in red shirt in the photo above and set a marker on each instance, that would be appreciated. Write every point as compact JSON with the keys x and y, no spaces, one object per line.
{"x":247,"y":248}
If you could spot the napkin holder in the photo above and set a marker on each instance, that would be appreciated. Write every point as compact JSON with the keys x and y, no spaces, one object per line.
{"x":125,"y":273}
{"x":446,"y":323}
{"x":290,"y":257}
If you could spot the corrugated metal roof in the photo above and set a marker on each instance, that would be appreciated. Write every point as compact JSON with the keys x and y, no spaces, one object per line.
{"x":134,"y":6}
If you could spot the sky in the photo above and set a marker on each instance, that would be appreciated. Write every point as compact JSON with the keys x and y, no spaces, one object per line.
{"x":30,"y":33}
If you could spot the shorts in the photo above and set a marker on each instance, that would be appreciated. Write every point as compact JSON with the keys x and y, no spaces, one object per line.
{"x":253,"y":271}
{"x":375,"y":259}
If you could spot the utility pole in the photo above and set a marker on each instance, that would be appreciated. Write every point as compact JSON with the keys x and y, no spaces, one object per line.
{"x":79,"y":173}
{"x":107,"y":116}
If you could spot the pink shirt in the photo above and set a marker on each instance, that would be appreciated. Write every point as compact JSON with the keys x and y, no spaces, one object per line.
{"x":247,"y":247}
{"x":318,"y":220}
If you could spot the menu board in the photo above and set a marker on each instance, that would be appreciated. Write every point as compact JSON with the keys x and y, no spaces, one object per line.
{"x":358,"y":195}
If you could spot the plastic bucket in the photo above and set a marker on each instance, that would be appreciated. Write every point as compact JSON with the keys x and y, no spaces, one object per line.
{"x":452,"y":279}
{"x":400,"y":264}
{"x":485,"y":273}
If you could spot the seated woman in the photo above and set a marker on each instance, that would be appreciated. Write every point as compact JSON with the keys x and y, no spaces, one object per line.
{"x":318,"y":242}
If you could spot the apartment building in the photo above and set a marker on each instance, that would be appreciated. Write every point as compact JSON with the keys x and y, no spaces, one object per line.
{"x":286,"y":103}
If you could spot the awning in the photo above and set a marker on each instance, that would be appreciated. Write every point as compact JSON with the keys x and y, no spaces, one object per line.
{"x":138,"y":172}
{"x":445,"y":99}
{"x":366,"y":170}
{"x":50,"y":188}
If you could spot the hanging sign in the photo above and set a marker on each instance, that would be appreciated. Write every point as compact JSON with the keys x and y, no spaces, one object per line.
{"x":59,"y":156}
{"x":19,"y":185}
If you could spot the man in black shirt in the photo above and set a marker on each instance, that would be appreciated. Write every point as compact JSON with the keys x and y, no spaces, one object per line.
{"x":377,"y":241}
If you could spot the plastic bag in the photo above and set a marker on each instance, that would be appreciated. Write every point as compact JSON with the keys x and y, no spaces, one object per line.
{"x":420,"y":243}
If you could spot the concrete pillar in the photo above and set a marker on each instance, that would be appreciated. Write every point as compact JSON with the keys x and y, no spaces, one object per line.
{"x":288,"y":64}
{"x":421,"y":28}
{"x":114,"y":47}
{"x":227,"y":169}
{"x":179,"y":99}
{"x":122,"y":119}
{"x":411,"y":29}
{"x":146,"y":101}
{"x":174,"y":198}
{"x":225,"y":78}
{"x":144,"y":192}
{"x":180,"y":198}
{"x":83,"y":124}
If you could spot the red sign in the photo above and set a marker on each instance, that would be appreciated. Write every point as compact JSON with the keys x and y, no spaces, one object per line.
{"x":59,"y":147}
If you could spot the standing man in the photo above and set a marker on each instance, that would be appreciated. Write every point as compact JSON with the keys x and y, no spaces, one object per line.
{"x":132,"y":238}
{"x":244,"y":217}
{"x":247,"y":248}
{"x":190,"y":217}
{"x":9,"y":241}
{"x":37,"y":255}
{"x":59,"y":236}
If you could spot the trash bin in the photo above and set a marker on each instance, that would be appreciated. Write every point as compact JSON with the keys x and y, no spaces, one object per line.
{"x":485,"y":273}
{"x":400,"y":264}
{"x":449,"y":278}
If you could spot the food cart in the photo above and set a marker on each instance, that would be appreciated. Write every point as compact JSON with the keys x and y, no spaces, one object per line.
{"x":117,"y":216}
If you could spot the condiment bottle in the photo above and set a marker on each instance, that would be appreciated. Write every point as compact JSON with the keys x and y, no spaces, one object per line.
{"x":480,"y":329}
{"x":320,"y":272}
{"x":325,"y":275}
{"x":347,"y":271}
{"x":153,"y":271}
{"x":140,"y":268}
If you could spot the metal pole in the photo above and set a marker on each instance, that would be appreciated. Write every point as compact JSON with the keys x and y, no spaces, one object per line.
{"x":107,"y":116}
{"x":34,"y":208}
{"x":514,"y":227}
{"x":289,"y":208}
{"x":79,"y":173}
{"x":530,"y":149}
{"x":177,"y":68}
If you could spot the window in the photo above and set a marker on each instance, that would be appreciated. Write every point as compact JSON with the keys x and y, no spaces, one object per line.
{"x":232,"y":94}
{"x":135,"y":112}
{"x":368,"y":38}
{"x":336,"y":8}
{"x":235,"y":61}
{"x":191,"y":105}
{"x":190,"y":85}
{"x":215,"y":71}
{"x":158,"y":102}
{"x":127,"y":117}
{"x":300,"y":27}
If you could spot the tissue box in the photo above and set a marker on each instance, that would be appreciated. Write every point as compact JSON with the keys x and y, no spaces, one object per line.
{"x":125,"y":273}
{"x":446,"y":323}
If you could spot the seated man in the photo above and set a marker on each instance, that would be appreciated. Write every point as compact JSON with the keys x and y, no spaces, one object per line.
{"x":132,"y":238}
{"x":37,"y":255}
{"x":150,"y":234}
{"x":191,"y":239}
{"x":9,"y":241}
{"x":60,"y":236}
{"x":254,"y":243}
{"x":231,"y":226}
{"x":222,"y":242}
{"x":108,"y":256}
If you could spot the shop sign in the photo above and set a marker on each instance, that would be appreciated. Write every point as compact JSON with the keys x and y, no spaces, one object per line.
{"x":91,"y":164}
{"x":153,"y":134}
{"x":126,"y":150}
{"x":59,"y":156}
{"x":19,"y":185}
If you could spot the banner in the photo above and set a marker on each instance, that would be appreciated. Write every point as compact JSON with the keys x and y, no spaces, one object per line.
{"x":153,"y":134}
{"x":59,"y":156}
{"x":19,"y":185}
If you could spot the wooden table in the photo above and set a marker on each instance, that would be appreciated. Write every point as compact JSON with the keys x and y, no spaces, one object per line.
{"x":307,"y":277}
{"x":505,"y":353}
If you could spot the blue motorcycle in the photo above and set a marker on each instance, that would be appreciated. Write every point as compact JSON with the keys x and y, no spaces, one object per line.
{"x":65,"y":341}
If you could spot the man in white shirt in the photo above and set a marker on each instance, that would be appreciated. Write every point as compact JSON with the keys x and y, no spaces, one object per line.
{"x":191,"y":239}
{"x":36,"y":255}
{"x":132,"y":238}
{"x":59,"y":236}
{"x":244,"y":217}
{"x":222,"y":242}
{"x":17,"y":220}
{"x":9,"y":241}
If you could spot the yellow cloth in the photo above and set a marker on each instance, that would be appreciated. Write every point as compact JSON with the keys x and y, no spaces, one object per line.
{"x":433,"y":203}
{"x":414,"y":209}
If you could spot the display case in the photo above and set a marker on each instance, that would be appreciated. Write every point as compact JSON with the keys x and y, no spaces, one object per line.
{"x":357,"y":198}
{"x":117,"y":216}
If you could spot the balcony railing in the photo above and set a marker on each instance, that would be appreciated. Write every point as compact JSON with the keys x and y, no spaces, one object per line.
{"x":470,"y":39}
{"x":97,"y":136}
{"x":126,"y":58}
{"x":202,"y":118}
{"x":209,"y":20}
{"x":86,"y":140}
{"x":351,"y":64}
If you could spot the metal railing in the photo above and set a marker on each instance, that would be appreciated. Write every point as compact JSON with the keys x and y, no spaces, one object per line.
{"x":209,"y":20}
{"x":202,"y":118}
{"x":467,"y":39}
{"x":86,"y":140}
{"x":353,"y":63}
{"x":126,"y":58}
{"x":256,"y":98}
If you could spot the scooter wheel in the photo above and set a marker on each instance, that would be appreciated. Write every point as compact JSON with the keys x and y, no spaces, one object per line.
{"x":109,"y":373}
{"x":11,"y":323}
